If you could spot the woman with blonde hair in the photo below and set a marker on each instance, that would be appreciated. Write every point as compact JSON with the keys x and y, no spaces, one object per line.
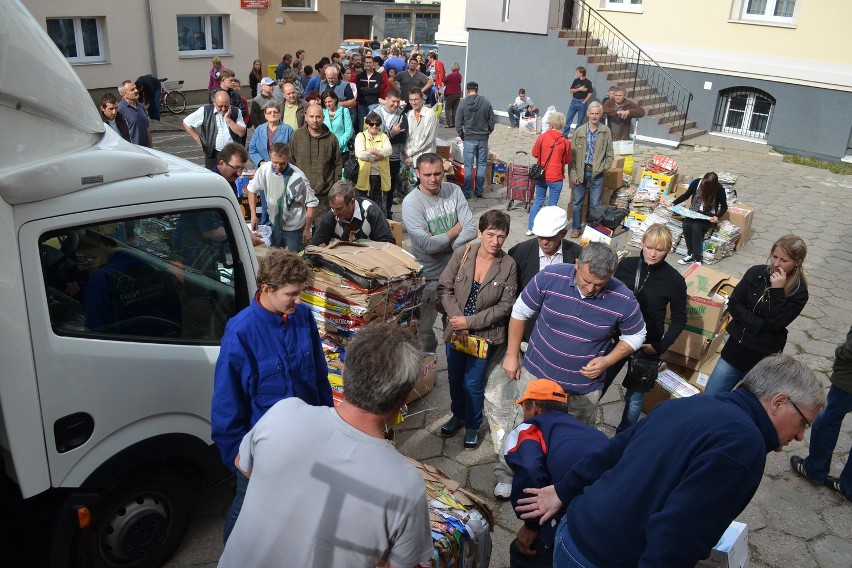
{"x":373,"y":150}
{"x":553,"y":151}
{"x":767,"y":299}
{"x":215,"y":75}
{"x":658,"y":288}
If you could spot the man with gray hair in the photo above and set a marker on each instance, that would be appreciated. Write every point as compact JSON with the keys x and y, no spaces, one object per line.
{"x":351,"y":218}
{"x":134,"y":114}
{"x":580,"y":309}
{"x":620,"y":112}
{"x":663,"y":492}
{"x":352,"y":500}
{"x":593,"y":156}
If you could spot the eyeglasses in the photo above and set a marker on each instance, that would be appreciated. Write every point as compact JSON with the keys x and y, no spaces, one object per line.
{"x":374,"y":124}
{"x":238,"y":169}
{"x":805,"y":422}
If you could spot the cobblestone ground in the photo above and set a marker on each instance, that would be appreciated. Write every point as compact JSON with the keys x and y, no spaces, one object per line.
{"x":791,"y":522}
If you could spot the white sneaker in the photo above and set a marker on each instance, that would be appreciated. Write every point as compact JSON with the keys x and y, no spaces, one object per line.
{"x":686,"y":260}
{"x":503,"y":490}
{"x":529,"y":233}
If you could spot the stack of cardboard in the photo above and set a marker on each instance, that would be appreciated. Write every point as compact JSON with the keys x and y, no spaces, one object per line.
{"x":353,"y":284}
{"x":694,"y":354}
{"x":728,"y":181}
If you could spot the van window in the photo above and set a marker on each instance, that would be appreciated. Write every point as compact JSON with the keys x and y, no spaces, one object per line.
{"x":166,"y":278}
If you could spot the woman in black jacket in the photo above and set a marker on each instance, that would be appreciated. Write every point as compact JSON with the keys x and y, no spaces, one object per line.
{"x":767,"y":299}
{"x":656,"y":285}
{"x":708,"y":198}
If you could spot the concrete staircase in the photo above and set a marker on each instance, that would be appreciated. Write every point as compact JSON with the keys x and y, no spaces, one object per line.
{"x":638,"y":89}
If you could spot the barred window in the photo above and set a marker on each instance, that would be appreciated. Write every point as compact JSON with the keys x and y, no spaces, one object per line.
{"x":744,"y":111}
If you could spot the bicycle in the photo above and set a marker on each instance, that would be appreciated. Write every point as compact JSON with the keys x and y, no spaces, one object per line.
{"x":171,"y":98}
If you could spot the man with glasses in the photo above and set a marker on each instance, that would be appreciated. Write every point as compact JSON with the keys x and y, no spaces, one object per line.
{"x":663,"y":492}
{"x":215,"y":125}
{"x":351,"y":218}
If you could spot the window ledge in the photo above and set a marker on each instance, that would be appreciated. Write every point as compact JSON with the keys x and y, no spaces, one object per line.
{"x":298,"y":9}
{"x":764,"y":23}
{"x":629,"y":9}
{"x":82,"y":63}
{"x":204,"y":55}
{"x":740,"y":137}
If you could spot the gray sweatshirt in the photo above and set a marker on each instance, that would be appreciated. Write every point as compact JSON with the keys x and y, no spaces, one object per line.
{"x":427,"y":219}
{"x":475,"y":118}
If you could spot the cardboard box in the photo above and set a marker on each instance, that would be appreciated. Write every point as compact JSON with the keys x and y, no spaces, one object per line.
{"x":706,"y":305}
{"x":742,"y":216}
{"x":618,"y":162}
{"x":530,"y":126}
{"x":498,"y":173}
{"x":613,"y":178}
{"x":731,"y":551}
{"x":617,"y":241}
{"x":678,"y":190}
{"x":426,"y":379}
{"x":442,"y":148}
{"x":396,"y":229}
{"x":634,"y":220}
{"x":692,"y":350}
{"x":663,"y":181}
{"x":657,"y":395}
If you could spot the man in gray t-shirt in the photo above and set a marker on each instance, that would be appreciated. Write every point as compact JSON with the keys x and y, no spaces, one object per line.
{"x":438,"y":221}
{"x":326,"y":488}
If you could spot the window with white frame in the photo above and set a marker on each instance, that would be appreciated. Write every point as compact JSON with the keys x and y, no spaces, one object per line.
{"x":202,"y":34}
{"x":744,"y":111}
{"x":299,"y":4}
{"x":622,"y":5}
{"x":768,"y":10}
{"x":79,"y":39}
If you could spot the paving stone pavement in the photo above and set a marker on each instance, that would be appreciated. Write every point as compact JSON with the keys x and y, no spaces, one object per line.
{"x":791,"y":522}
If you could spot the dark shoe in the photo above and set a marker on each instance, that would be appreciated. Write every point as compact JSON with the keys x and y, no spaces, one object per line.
{"x":472,"y":440}
{"x":797,"y":464}
{"x":451,"y":427}
{"x":834,"y":483}
{"x":478,"y":195}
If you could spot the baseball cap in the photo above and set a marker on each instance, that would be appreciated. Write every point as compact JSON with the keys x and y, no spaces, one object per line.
{"x":267,"y":81}
{"x":543,"y":389}
{"x":549,"y":221}
{"x":472,"y":86}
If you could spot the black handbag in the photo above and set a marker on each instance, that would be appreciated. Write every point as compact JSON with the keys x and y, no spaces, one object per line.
{"x":642,"y":370}
{"x":351,"y":167}
{"x":537,"y":170}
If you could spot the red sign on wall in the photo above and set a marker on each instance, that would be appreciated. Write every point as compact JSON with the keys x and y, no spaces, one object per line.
{"x":254,"y":4}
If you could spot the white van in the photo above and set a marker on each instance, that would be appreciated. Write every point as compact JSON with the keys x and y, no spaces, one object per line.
{"x":113,"y":299}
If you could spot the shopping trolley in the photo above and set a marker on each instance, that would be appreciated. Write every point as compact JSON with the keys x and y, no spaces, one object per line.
{"x":519,"y":186}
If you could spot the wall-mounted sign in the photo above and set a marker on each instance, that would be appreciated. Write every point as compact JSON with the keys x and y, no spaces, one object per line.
{"x":254,"y":4}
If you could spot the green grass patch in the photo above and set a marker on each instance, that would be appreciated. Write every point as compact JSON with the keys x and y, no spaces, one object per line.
{"x":842,"y":168}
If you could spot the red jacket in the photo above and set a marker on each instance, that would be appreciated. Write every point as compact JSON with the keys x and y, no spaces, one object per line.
{"x":561,"y":154}
{"x":440,"y":72}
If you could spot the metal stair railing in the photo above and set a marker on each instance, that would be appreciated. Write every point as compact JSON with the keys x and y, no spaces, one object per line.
{"x":624,"y":54}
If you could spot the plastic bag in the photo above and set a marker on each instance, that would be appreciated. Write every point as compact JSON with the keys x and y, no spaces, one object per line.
{"x":502,"y":414}
{"x":545,"y":125}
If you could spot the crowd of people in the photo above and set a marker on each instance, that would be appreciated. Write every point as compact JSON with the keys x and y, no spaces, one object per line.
{"x":328,"y":145}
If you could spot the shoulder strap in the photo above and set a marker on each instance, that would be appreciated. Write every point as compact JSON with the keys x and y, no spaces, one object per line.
{"x":555,"y":142}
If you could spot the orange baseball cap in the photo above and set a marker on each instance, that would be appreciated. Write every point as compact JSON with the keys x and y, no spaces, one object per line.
{"x":543,"y":389}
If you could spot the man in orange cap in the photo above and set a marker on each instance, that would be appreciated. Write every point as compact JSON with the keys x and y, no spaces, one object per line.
{"x":545,"y":446}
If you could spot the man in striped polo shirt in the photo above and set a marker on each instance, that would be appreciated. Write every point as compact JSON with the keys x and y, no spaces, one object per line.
{"x":581,"y":309}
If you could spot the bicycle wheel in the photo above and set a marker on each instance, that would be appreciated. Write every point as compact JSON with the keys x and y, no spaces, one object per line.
{"x":175,"y":102}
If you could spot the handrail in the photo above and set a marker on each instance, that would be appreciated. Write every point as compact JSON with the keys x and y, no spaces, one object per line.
{"x":644,"y":67}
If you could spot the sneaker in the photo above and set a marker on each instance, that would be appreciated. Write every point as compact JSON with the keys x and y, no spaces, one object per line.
{"x":575,"y":234}
{"x":832,"y":483}
{"x":472,"y":440}
{"x":797,"y":464}
{"x":479,"y":195}
{"x":503,"y":490}
{"x":686,"y":260}
{"x":451,"y":427}
{"x":529,"y":233}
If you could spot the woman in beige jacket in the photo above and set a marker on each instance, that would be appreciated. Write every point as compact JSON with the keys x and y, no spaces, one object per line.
{"x":477,"y":289}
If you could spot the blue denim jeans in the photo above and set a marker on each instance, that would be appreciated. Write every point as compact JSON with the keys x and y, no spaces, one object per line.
{"x":515,"y":116}
{"x":565,"y":552}
{"x":236,"y":506}
{"x":579,"y":194}
{"x":475,"y":150}
{"x":291,"y":240}
{"x":824,"y":433}
{"x":466,"y":374}
{"x":723,"y":378}
{"x":577,"y":107}
{"x":551,"y":190}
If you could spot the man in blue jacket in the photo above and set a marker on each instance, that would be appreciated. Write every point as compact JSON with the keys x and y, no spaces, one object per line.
{"x":663,"y":492}
{"x":540,"y":450}
{"x":270,"y":351}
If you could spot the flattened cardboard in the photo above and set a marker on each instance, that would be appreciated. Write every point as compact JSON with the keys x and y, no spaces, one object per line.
{"x":426,"y":379}
{"x":382,"y":261}
{"x":396,"y":229}
{"x":691,"y":350}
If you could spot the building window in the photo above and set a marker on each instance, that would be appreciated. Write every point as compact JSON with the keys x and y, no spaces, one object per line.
{"x":622,"y":5}
{"x":425,"y":26}
{"x":79,"y":39}
{"x":398,"y":25}
{"x":202,"y":34}
{"x":745,"y":112}
{"x":299,"y":4}
{"x":768,"y":10}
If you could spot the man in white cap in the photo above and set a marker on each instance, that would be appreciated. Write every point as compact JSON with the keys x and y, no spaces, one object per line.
{"x":548,"y":247}
{"x":258,"y":103}
{"x":540,"y":450}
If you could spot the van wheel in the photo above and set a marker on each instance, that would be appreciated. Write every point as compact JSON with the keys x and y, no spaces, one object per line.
{"x":139,"y":522}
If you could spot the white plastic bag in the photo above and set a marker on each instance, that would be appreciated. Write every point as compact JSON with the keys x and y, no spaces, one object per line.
{"x":545,"y":125}
{"x":502,"y":414}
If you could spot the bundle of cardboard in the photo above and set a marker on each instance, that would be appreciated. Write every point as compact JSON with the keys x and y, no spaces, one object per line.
{"x":353,"y":284}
